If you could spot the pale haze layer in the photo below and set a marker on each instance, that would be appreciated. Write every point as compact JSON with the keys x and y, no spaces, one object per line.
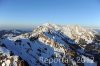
{"x":26,"y":13}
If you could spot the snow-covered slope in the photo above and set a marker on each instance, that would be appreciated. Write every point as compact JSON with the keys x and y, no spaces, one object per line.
{"x":47,"y":43}
{"x":76,"y":32}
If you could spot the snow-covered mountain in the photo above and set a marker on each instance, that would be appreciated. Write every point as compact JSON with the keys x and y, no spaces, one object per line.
{"x":50,"y":45}
{"x":11,"y":33}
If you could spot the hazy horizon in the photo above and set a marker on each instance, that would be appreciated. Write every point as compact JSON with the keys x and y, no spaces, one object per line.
{"x":29,"y":28}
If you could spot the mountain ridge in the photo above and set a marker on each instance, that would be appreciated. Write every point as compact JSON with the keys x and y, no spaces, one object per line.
{"x":48,"y":41}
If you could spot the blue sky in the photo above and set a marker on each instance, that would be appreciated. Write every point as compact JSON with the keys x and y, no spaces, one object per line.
{"x":35,"y":12}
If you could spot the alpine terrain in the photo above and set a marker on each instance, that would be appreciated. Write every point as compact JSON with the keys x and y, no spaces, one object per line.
{"x":50,"y":45}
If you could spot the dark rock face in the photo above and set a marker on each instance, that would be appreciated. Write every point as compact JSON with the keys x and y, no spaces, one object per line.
{"x":22,"y":62}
